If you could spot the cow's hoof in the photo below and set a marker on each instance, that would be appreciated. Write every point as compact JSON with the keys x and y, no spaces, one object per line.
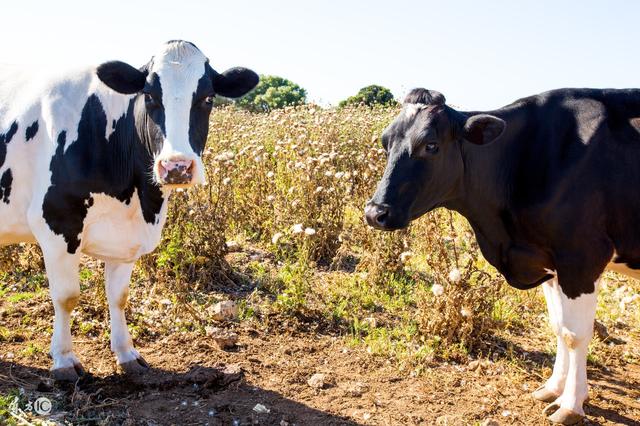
{"x":136,"y":366}
{"x":550,"y":409}
{"x":544,"y":395}
{"x":564,"y":416}
{"x":68,"y":374}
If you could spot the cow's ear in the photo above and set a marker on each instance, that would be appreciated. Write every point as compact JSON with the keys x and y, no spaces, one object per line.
{"x":483,"y":129}
{"x":234,"y":82}
{"x":122,"y":77}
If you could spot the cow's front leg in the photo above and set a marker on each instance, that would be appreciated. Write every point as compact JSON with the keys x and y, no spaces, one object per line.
{"x":554,"y":386}
{"x":117,"y":277}
{"x":574,"y":325}
{"x":64,"y":287}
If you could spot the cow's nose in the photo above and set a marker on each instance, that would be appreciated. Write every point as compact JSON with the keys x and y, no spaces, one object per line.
{"x":176,"y":171}
{"x":377,"y":215}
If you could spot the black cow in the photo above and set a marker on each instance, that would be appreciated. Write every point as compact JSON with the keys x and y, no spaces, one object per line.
{"x":551,"y":187}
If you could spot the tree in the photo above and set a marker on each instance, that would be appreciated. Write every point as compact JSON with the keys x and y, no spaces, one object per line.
{"x":371,"y":95}
{"x":271,"y":93}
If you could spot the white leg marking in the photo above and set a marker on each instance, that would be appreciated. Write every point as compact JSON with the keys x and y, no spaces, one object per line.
{"x":117,"y":276}
{"x":575,"y":328}
{"x":64,"y":287}
{"x":556,"y":382}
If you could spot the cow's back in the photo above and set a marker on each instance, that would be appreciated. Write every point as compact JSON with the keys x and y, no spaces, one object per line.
{"x":35,"y":106}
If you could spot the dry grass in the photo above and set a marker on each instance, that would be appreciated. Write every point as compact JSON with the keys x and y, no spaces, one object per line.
{"x":289,"y":187}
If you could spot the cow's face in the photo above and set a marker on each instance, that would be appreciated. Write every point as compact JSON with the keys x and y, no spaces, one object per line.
{"x":174,"y":98}
{"x":425,"y":164}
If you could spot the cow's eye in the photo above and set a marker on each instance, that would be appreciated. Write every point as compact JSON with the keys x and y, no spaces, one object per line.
{"x":431,"y":147}
{"x":150,"y":101}
{"x":208,"y":100}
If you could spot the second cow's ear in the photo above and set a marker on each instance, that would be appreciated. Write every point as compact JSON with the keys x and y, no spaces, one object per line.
{"x":122,"y":77}
{"x":482,"y":129}
{"x":234,"y":82}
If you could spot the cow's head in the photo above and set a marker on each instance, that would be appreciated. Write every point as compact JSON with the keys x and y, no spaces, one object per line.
{"x":425,"y":164}
{"x":174,"y":97}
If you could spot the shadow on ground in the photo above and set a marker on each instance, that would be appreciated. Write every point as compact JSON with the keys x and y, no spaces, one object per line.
{"x":201,"y":395}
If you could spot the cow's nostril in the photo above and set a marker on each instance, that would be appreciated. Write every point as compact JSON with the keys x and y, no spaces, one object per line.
{"x":382,"y":216}
{"x":377,"y":215}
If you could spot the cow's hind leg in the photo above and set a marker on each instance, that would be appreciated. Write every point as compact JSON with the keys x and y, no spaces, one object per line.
{"x":117,"y":277}
{"x":554,"y":386}
{"x":574,"y":325}
{"x":64,"y":287}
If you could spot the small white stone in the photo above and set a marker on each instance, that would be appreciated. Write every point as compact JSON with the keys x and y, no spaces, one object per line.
{"x":317,"y":381}
{"x":225,"y":310}
{"x":261,"y":409}
{"x":232,"y":246}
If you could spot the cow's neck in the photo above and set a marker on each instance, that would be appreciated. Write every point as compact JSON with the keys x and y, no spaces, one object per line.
{"x":488,"y":202}
{"x":136,"y":174}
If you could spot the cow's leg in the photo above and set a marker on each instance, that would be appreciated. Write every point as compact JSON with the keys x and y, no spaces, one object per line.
{"x":117,"y":276}
{"x":64,"y":287}
{"x":554,"y":386}
{"x":575,"y":327}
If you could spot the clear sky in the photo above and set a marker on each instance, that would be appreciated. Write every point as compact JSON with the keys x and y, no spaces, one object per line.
{"x":480,"y":54}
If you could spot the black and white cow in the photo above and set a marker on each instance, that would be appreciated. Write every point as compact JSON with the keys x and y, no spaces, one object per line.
{"x":87,"y":161}
{"x":550,"y":185}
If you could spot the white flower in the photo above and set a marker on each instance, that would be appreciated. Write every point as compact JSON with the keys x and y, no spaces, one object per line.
{"x":338,"y":175}
{"x":271,"y":198}
{"x":309,"y":231}
{"x":276,"y":237}
{"x":465,"y":312}
{"x":455,"y":276}
{"x":437,"y":290}
{"x":319,"y":189}
{"x":226,"y":181}
{"x":270,"y":174}
{"x":297,"y":228}
{"x":405,"y":256}
{"x":225,"y":156}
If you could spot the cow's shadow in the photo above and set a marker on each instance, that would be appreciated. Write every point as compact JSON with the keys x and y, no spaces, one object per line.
{"x":201,"y":395}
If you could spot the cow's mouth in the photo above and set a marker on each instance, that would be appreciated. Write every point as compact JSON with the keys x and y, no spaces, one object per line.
{"x":175,"y":172}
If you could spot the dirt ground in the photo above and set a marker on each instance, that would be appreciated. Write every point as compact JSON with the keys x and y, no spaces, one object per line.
{"x":193,"y":382}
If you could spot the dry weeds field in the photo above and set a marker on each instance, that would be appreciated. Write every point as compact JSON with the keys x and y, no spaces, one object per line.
{"x":336,"y":323}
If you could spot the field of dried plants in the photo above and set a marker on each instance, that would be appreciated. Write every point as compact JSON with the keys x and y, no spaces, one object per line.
{"x":336,"y":323}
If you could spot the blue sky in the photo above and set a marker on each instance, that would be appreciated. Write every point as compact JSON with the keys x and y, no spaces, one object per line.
{"x":480,"y":54}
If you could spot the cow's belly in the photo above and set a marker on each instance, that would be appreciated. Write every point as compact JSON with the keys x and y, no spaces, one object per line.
{"x":114,"y":231}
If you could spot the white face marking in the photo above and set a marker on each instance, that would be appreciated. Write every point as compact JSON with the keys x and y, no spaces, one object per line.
{"x":410,"y":110}
{"x":180,"y":67}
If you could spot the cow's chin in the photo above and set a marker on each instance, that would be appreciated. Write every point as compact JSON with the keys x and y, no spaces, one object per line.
{"x":172,"y":186}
